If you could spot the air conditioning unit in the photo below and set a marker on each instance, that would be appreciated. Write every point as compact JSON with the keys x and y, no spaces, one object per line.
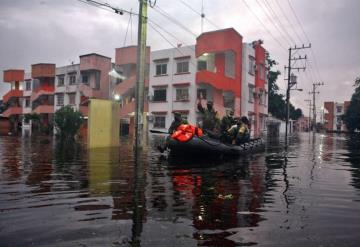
{"x":151,"y":118}
{"x":150,"y":97}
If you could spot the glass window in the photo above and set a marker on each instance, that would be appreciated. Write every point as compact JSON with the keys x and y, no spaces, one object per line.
{"x":28,"y":85}
{"x":201,"y":65}
{"x":338,"y":109}
{"x":201,"y":93}
{"x":85,"y":79}
{"x":182,"y":67}
{"x":159,"y":122}
{"x":72,"y":97}
{"x":161,"y":69}
{"x":160,"y":94}
{"x":60,"y":100}
{"x":262,"y":72}
{"x":72,"y":79}
{"x":182,"y":94}
{"x":251,"y":93}
{"x":251,"y":65}
{"x":27,"y":102}
{"x":61,"y":80}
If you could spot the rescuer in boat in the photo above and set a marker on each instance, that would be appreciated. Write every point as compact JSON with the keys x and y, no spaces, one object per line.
{"x":210,"y":122}
{"x":239,"y":132}
{"x":176,"y":122}
{"x":226,"y":122}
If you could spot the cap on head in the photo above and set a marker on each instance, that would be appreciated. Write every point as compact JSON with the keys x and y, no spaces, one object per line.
{"x":177,"y":114}
{"x":245,"y":120}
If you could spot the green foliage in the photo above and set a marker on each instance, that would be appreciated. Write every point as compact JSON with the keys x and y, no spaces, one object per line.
{"x":352,"y":115}
{"x":67,"y":122}
{"x":277,"y":103}
{"x":32,"y":116}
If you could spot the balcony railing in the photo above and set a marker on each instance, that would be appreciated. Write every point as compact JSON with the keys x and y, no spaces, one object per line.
{"x":44,"y":109}
{"x":218,"y":81}
{"x":42,"y":90}
{"x":12,"y":94}
{"x":15,"y":110}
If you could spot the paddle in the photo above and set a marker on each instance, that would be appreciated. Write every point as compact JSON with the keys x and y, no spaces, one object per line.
{"x":158,"y":132}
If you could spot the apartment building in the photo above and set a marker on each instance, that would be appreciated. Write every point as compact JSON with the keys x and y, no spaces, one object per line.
{"x":333,"y":115}
{"x":123,"y":86}
{"x":218,"y":68}
{"x":13,"y":99}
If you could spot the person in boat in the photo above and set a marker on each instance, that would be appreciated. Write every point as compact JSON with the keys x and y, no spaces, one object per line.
{"x":178,"y":120}
{"x":239,"y":132}
{"x":226,"y":122}
{"x":210,"y":122}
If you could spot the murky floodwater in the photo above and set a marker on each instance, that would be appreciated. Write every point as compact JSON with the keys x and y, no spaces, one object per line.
{"x":52,"y":195}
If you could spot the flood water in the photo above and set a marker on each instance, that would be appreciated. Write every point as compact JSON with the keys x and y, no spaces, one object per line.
{"x":53,"y":195}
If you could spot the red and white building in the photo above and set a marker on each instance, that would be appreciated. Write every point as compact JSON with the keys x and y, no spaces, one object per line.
{"x":219,"y":68}
{"x":333,"y":116}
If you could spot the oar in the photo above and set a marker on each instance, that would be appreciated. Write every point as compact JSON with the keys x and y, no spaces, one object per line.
{"x":158,"y":132}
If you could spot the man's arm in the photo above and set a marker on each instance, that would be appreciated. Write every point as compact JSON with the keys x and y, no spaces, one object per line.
{"x":200,"y":107}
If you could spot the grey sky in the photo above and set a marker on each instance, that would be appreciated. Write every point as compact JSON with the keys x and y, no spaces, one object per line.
{"x":58,"y":31}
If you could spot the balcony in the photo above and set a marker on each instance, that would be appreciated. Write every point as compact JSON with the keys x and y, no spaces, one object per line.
{"x":88,"y":92}
{"x":12,"y":94}
{"x":44,"y":109}
{"x":125,"y":85}
{"x":42,"y":70}
{"x":12,"y":75}
{"x":128,"y":108}
{"x":15,"y":110}
{"x":42,"y":90}
{"x":218,"y":81}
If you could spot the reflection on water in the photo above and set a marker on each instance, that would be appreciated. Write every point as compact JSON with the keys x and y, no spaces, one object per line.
{"x":61,"y":194}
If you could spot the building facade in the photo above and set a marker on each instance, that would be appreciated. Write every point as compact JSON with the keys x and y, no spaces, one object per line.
{"x":333,"y":116}
{"x":218,"y":68}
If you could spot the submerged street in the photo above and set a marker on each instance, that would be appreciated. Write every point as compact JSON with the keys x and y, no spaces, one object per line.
{"x":70,"y":196}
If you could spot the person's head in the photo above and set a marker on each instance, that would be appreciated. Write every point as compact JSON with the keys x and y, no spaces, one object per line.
{"x":230,"y":113}
{"x":237,"y":120}
{"x":245,"y":120}
{"x":177,"y":116}
{"x":209,"y":105}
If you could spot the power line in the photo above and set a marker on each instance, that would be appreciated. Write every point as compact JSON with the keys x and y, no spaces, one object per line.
{"x":273,"y":23}
{"x":202,"y":15}
{"x":279,"y":21}
{"x":277,"y":41}
{"x":302,"y":29}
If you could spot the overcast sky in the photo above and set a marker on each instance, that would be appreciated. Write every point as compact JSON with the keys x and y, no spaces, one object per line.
{"x":58,"y":31}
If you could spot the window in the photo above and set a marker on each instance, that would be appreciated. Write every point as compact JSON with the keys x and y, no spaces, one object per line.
{"x":261,"y":97}
{"x":262,"y":72}
{"x":61,"y":80}
{"x":159,"y":122}
{"x":202,"y":65}
{"x":338,"y":109}
{"x":72,"y":79}
{"x":159,"y":94}
{"x":182,"y":67}
{"x":27,"y":102}
{"x":201,"y":93}
{"x":60,"y":100}
{"x":85,"y":79}
{"x":251,"y":93}
{"x":28,"y":85}
{"x":161,"y":69}
{"x":72,"y":97}
{"x":182,"y":94}
{"x":251,"y":65}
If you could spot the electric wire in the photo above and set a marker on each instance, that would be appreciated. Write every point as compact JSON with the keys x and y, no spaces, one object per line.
{"x":199,"y":13}
{"x":289,"y":39}
{"x":264,"y":26}
{"x":307,"y":38}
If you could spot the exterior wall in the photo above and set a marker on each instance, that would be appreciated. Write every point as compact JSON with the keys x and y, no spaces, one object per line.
{"x":334,"y":114}
{"x":67,"y":88}
{"x":12,"y":75}
{"x":171,"y":81}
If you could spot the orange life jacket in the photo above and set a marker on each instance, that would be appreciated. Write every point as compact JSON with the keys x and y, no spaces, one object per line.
{"x":186,"y":132}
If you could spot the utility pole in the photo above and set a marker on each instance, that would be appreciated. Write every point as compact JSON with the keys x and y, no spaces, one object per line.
{"x":314,"y":92}
{"x":290,"y":82}
{"x":309,"y":120}
{"x":140,"y":73}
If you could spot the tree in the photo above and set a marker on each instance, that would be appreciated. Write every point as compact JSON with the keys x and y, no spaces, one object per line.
{"x":67,"y":122}
{"x":352,"y":115}
{"x":277,"y":103}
